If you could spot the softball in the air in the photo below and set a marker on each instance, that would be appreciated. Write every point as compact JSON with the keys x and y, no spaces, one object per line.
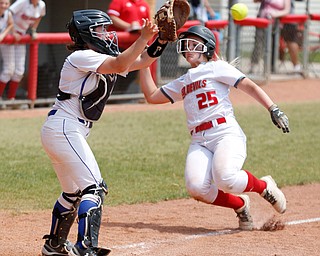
{"x":239,"y":11}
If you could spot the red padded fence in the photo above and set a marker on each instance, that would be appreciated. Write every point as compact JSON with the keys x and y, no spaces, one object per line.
{"x":256,"y":22}
{"x":294,"y":18}
{"x":315,"y":16}
{"x":126,"y":39}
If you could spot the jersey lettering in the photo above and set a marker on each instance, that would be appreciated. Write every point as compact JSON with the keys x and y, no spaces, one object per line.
{"x":207,"y":99}
{"x":193,"y":87}
{"x":25,"y":17}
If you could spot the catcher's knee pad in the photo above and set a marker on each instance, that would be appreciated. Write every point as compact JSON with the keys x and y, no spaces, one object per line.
{"x":90,"y":213}
{"x":63,"y":218}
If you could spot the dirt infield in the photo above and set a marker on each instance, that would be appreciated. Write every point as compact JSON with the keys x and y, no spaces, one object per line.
{"x":187,"y":227}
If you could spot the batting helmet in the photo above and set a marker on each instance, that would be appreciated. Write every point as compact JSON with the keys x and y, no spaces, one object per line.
{"x":82,"y":31}
{"x":205,"y":34}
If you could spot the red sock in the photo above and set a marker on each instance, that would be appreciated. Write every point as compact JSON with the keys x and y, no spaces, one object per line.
{"x":254,"y":184}
{"x":13,"y":86}
{"x":2,"y":87}
{"x":228,"y":200}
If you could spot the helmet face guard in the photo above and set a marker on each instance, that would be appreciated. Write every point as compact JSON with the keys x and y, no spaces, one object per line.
{"x":109,"y":39}
{"x":207,"y":47}
{"x":191,"y":45}
{"x":90,"y":27}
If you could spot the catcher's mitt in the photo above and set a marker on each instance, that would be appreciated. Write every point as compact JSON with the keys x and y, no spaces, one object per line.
{"x":170,"y":17}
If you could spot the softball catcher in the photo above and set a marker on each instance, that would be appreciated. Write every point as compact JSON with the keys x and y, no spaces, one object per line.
{"x":217,"y":151}
{"x":87,"y":79}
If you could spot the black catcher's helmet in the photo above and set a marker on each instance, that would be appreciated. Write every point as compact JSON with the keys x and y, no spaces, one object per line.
{"x":204,"y":33}
{"x":81,"y":30}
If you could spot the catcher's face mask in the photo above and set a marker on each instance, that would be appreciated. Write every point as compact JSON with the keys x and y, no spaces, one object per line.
{"x":110,"y":38}
{"x":190,"y":45}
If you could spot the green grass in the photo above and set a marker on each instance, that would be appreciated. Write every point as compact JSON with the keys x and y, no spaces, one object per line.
{"x":142,"y":155}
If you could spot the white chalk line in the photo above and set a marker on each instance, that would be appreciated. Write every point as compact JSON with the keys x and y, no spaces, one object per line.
{"x":149,"y":245}
{"x":297,"y":222}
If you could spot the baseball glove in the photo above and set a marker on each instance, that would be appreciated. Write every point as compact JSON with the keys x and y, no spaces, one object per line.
{"x":171,"y":17}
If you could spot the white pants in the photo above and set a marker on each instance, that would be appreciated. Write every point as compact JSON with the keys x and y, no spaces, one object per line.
{"x":214,"y":161}
{"x":20,"y":59}
{"x":65,"y":142}
{"x":7,"y":56}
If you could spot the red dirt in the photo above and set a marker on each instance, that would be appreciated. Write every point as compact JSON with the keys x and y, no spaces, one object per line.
{"x":187,"y":227}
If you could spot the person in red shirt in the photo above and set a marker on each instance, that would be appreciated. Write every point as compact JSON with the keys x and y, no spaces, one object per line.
{"x":127,"y":15}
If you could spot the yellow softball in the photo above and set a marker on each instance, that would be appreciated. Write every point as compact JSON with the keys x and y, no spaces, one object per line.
{"x":239,"y":11}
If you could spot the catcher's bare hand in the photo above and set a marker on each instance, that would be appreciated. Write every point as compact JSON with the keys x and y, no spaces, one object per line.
{"x":279,"y":118}
{"x":148,"y":30}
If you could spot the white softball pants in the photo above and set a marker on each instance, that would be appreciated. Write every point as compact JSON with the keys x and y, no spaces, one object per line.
{"x":20,"y":51}
{"x":65,"y":142}
{"x":214,"y":161}
{"x":7,"y":57}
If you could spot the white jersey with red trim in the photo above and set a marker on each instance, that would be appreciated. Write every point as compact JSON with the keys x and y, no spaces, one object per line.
{"x":205,"y":91}
{"x":25,"y":14}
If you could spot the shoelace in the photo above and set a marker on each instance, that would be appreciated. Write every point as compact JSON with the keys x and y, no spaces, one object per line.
{"x":270,"y":197}
{"x":244,"y":216}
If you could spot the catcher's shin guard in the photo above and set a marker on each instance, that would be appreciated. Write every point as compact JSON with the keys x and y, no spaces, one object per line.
{"x":62,"y":220}
{"x":89,"y":214}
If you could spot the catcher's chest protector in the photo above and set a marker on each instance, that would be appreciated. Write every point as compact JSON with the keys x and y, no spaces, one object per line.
{"x":93,"y":103}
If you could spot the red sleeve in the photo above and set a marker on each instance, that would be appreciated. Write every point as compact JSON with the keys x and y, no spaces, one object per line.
{"x":148,"y":10}
{"x":115,"y":7}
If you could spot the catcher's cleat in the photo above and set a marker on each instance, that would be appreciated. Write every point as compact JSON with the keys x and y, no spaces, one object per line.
{"x":49,"y":249}
{"x":91,"y":251}
{"x":274,"y":195}
{"x":245,"y":219}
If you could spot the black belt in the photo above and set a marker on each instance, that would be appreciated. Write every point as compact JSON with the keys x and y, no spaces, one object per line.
{"x":208,"y":125}
{"x":86,"y":123}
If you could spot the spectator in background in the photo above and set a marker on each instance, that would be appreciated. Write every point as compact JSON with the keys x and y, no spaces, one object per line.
{"x":269,"y":9}
{"x":6,"y":50}
{"x":27,"y":14}
{"x":290,"y":34}
{"x":127,"y":15}
{"x":202,"y":11}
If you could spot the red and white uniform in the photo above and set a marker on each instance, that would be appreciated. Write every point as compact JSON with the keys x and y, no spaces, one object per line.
{"x":24,"y":16}
{"x":129,"y":11}
{"x":7,"y":52}
{"x":217,"y":153}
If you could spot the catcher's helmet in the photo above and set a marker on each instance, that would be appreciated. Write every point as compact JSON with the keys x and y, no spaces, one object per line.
{"x":81,"y":30}
{"x":205,"y":34}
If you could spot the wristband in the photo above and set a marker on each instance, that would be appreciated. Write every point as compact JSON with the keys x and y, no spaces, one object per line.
{"x":156,"y":48}
{"x":272,"y":107}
